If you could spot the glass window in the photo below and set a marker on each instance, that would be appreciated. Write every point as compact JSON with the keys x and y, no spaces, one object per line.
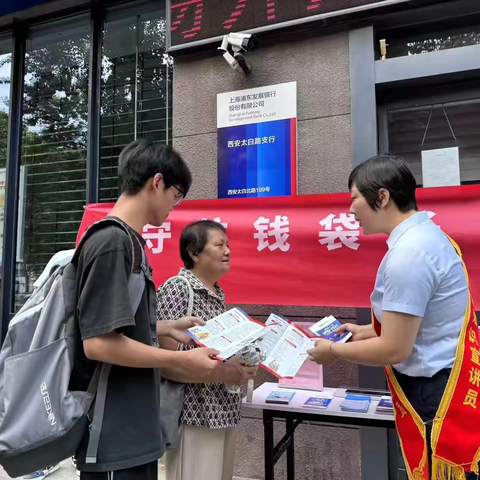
{"x":5,"y":73}
{"x":433,"y":126}
{"x":136,"y":90}
{"x":428,"y":41}
{"x":53,"y":163}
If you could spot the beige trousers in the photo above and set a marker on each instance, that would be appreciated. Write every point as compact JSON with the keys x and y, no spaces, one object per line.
{"x":202,"y":454}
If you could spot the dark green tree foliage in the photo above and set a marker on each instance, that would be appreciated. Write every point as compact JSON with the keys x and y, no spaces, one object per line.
{"x":135,"y":69}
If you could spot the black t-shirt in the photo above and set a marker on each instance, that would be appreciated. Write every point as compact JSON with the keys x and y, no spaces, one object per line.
{"x":131,"y":433}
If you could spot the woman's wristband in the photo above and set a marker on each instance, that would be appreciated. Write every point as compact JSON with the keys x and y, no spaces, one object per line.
{"x":331,"y":351}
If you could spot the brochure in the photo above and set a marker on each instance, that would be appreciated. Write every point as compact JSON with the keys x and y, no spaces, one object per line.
{"x":286,"y":347}
{"x":284,"y":344}
{"x":385,"y":406}
{"x":228,"y":333}
{"x":318,"y":403}
{"x":356,"y":404}
{"x":326,"y":327}
{"x":280,"y":397}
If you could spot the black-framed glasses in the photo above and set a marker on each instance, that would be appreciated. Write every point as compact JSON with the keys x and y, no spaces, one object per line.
{"x":178,"y":197}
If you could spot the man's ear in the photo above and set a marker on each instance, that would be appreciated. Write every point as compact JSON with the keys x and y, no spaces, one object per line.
{"x":158,"y":181}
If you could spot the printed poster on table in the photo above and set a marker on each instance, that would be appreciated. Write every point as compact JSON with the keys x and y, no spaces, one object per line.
{"x":257,"y":142}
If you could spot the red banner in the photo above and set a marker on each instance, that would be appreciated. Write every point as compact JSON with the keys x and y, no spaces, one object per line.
{"x":304,"y":250}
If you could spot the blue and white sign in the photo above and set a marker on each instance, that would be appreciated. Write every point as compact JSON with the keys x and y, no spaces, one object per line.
{"x":257,"y":142}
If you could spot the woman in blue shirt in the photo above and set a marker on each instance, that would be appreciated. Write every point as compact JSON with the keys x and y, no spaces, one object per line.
{"x":420,"y":304}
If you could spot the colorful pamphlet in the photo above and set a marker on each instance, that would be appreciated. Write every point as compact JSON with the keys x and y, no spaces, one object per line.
{"x":326,"y":327}
{"x":318,"y":403}
{"x":385,"y":406}
{"x":284,"y":344}
{"x":228,"y":333}
{"x":286,"y":347}
{"x":283,"y":397}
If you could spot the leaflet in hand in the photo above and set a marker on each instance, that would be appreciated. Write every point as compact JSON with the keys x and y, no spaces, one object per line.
{"x":326,"y":327}
{"x":228,"y":333}
{"x":286,"y":347}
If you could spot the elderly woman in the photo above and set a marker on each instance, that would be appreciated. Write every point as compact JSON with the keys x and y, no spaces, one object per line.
{"x":207,"y":435}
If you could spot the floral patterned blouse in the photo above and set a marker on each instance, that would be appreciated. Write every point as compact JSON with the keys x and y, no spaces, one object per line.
{"x":205,"y":405}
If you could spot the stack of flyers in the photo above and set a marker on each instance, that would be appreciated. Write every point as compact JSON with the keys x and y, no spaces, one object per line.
{"x":385,"y":406}
{"x":326,"y":327}
{"x":283,"y":397}
{"x":356,"y":404}
{"x":318,"y":403}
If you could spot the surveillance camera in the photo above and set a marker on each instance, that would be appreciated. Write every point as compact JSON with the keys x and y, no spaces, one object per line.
{"x":245,"y":41}
{"x":238,"y":43}
{"x":244,"y":65}
{"x":224,"y":46}
{"x":232,"y":61}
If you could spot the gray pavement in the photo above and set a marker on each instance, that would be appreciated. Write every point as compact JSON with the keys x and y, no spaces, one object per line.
{"x":67,"y":472}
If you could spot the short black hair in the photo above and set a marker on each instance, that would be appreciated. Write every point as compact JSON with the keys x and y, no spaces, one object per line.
{"x":389,"y":172}
{"x":194,"y":238}
{"x":143,"y":159}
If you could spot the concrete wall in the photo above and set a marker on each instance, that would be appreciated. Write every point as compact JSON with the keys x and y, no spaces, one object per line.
{"x":320,"y":66}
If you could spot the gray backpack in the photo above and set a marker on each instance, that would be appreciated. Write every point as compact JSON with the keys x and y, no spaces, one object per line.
{"x":42,"y":421}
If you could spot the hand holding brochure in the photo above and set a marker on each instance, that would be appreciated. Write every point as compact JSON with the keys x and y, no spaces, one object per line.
{"x":286,"y":347}
{"x":326,"y":327}
{"x":228,"y":333}
{"x":284,"y":344}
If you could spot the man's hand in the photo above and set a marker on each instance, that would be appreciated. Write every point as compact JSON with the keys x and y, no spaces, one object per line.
{"x":177,"y":329}
{"x":192,"y":366}
{"x":321,"y":354}
{"x":234,"y":373}
{"x":360,"y":332}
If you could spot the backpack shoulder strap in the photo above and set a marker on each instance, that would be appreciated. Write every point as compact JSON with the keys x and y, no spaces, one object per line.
{"x":136,"y":287}
{"x":136,"y":281}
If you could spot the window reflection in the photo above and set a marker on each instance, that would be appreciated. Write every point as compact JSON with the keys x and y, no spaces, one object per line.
{"x":5,"y":72}
{"x":53,"y":163}
{"x":427,"y":42}
{"x":135,"y":95}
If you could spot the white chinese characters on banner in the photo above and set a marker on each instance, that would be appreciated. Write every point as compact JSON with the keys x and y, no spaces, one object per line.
{"x":155,"y":236}
{"x":339,"y":231}
{"x":337,"y":237}
{"x":279,"y":229}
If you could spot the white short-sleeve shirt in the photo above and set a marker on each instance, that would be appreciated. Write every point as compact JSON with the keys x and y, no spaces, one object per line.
{"x":422,"y":275}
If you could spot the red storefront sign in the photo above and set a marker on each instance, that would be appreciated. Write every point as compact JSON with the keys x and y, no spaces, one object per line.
{"x":304,"y":250}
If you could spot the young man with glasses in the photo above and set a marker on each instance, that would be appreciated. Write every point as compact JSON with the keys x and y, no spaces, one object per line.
{"x":153,"y":180}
